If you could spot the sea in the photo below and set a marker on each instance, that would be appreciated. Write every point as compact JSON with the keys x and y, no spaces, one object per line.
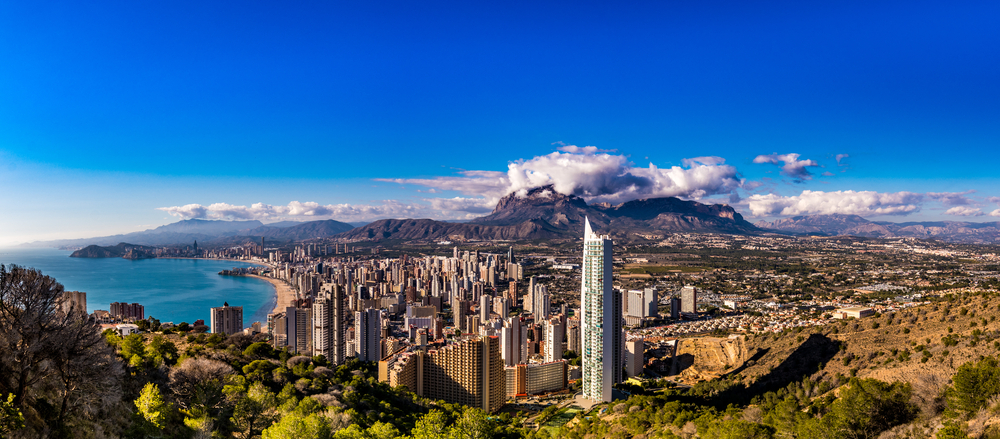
{"x":171,"y":290}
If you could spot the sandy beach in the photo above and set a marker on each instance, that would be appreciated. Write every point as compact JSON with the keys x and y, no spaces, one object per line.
{"x":285,"y":293}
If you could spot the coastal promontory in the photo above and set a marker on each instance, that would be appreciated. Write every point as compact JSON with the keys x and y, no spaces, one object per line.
{"x":122,"y":250}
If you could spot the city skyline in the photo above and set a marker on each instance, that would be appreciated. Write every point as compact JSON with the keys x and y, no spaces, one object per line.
{"x":357,"y":113}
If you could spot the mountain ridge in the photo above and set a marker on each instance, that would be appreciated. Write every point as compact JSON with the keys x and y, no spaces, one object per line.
{"x":855,"y":225}
{"x":543,"y":213}
{"x":207,"y":232}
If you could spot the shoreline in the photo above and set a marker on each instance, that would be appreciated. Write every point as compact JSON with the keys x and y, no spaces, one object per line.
{"x":261,"y":264}
{"x":283,"y":293}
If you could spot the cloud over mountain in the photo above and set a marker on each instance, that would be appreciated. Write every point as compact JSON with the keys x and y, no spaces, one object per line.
{"x":590,"y":173}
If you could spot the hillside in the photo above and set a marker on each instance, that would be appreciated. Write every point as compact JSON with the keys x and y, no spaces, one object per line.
{"x":923,"y":346}
{"x":298,"y":231}
{"x":542,"y":213}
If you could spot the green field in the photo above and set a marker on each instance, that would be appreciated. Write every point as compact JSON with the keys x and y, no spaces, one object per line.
{"x":561,"y":418}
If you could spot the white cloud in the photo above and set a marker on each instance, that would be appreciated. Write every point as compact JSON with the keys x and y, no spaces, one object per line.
{"x":582,"y":150}
{"x":459,"y":204}
{"x":791,"y":166}
{"x":592,"y":175}
{"x":297,"y":210}
{"x":186,"y":211}
{"x":841,"y":157}
{"x":995,"y":213}
{"x":964,"y":211}
{"x":843,"y":202}
{"x":487,"y":184}
{"x":951,"y":199}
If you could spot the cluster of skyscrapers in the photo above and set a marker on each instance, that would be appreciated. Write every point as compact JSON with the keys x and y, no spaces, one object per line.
{"x":444,"y":327}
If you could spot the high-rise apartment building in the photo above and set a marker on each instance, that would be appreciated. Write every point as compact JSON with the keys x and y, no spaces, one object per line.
{"x":513,"y":342}
{"x":540,"y":302}
{"x":128,"y":311}
{"x":573,"y":337}
{"x":639,"y":305}
{"x":368,"y":334}
{"x":330,"y":324}
{"x":227,"y":319}
{"x":553,"y":329}
{"x":485,"y":305}
{"x":600,"y":319}
{"x":689,"y":300}
{"x":634,"y":351}
{"x":469,"y":372}
{"x":299,"y":330}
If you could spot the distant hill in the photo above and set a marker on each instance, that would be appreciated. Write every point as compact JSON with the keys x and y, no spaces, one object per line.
{"x":543,"y":213}
{"x":854,"y":225}
{"x":181,"y":232}
{"x":208,"y":232}
{"x":299,"y":231}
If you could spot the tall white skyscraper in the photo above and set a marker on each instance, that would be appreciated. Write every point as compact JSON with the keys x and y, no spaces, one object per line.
{"x":600,"y":319}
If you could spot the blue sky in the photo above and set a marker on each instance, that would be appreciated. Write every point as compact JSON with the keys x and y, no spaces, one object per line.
{"x":121,"y":116}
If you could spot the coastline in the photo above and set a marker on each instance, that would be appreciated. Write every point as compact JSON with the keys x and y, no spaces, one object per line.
{"x":284,"y":294}
{"x":260,"y":264}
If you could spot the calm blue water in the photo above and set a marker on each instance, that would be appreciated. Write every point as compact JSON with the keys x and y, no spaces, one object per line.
{"x":172,"y":290}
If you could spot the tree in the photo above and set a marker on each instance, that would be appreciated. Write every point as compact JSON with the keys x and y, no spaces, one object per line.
{"x":473,"y":424}
{"x":152,"y":407}
{"x":974,"y":384}
{"x":430,"y":426}
{"x":868,"y":407}
{"x":56,"y":364}
{"x":253,"y":409}
{"x":10,"y":417}
{"x":198,"y":383}
{"x":295,"y":426}
{"x":259,"y":350}
{"x":738,"y":429}
{"x":382,"y":430}
{"x":133,"y":346}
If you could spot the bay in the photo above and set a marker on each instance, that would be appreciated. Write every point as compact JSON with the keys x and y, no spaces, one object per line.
{"x":171,"y":290}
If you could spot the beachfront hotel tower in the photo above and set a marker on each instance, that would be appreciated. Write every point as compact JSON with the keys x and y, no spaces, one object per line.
{"x":600,"y":319}
{"x":227,"y":319}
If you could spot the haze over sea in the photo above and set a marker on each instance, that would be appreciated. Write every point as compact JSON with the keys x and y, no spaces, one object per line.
{"x":171,"y":290}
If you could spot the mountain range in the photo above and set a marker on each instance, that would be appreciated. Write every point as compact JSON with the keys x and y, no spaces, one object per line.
{"x":854,"y":225}
{"x":208,"y":232}
{"x":543,"y":213}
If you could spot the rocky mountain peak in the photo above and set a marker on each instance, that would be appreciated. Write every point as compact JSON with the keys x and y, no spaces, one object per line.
{"x":539,"y":196}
